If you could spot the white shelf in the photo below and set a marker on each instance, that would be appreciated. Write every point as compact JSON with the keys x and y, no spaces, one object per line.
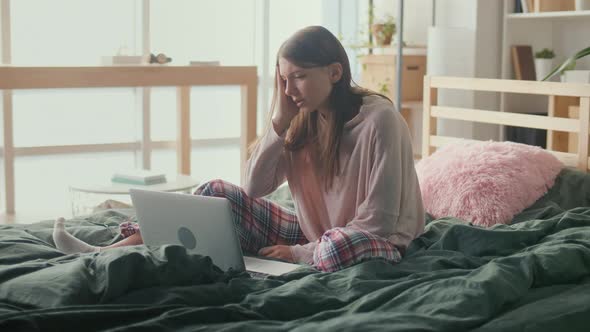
{"x":549,"y":15}
{"x":565,"y":32}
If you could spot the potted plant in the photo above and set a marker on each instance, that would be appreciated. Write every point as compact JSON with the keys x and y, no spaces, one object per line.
{"x":543,"y":63}
{"x":383,"y":31}
{"x":568,"y":65}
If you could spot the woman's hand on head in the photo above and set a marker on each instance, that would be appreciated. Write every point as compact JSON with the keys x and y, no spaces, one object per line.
{"x":286,"y":109}
{"x":278,"y":252}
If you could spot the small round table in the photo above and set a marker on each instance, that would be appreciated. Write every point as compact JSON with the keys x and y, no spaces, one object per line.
{"x":85,"y":198}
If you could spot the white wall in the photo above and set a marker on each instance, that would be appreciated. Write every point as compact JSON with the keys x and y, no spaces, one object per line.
{"x":456,"y":13}
{"x":466,"y":41}
{"x":488,"y":55}
{"x":451,"y":52}
{"x":342,"y":19}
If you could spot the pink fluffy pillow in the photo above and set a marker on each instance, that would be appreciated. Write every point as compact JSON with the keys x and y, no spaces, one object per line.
{"x":485,"y":182}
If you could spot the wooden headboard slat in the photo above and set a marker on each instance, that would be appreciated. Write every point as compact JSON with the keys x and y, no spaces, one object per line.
{"x":511,"y":86}
{"x":576,"y":91}
{"x":505,"y":118}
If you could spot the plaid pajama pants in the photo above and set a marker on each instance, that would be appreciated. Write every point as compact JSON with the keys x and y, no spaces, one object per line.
{"x":261,"y":223}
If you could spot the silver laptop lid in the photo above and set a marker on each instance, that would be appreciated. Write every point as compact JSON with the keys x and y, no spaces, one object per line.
{"x":202,"y":224}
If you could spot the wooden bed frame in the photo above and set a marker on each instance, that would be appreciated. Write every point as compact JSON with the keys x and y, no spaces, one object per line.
{"x":143,"y":77}
{"x":563,"y":99}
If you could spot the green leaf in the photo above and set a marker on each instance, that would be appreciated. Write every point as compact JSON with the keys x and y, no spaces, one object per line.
{"x":545,"y":54}
{"x":568,"y":64}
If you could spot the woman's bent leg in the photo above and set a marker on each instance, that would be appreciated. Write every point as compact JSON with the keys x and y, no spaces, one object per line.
{"x":259,"y":222}
{"x":132,"y":240}
{"x":343,"y":247}
{"x":69,"y":244}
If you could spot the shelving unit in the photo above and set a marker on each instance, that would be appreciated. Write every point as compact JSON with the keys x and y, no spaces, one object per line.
{"x":549,"y":15}
{"x":565,"y":32}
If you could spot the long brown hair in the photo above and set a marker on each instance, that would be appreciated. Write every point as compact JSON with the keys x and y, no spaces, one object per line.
{"x":315,"y":46}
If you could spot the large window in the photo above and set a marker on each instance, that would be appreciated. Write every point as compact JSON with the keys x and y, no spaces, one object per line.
{"x":286,"y":17}
{"x":196,"y":30}
{"x":79,"y":32}
{"x":201,"y":30}
{"x":69,"y":33}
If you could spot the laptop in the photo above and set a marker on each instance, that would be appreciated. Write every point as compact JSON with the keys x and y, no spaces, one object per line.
{"x":203,"y":225}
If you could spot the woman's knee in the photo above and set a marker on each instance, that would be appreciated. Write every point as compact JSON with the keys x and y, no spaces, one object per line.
{"x":216,"y":188}
{"x":344,"y":246}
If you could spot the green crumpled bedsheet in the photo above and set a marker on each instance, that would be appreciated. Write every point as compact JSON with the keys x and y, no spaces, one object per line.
{"x":532,"y":275}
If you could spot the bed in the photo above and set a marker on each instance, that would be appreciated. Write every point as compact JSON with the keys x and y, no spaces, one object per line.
{"x":533,"y":274}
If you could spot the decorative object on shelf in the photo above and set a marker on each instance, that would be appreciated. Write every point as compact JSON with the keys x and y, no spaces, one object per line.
{"x":123,"y":60}
{"x":552,"y":5}
{"x":576,"y":76}
{"x":383,"y":31}
{"x":204,"y":63}
{"x":377,"y":37}
{"x":527,"y":6}
{"x":161,"y":58}
{"x":380,"y":31}
{"x":545,"y":54}
{"x":522,"y":60}
{"x":379,"y":71}
{"x":582,"y":4}
{"x":568,"y":64}
{"x":517,"y":7}
{"x":543,"y":63}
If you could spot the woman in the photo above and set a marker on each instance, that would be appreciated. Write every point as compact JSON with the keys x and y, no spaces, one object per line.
{"x":347,"y":157}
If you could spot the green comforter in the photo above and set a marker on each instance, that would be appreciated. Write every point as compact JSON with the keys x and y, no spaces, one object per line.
{"x":532,"y":275}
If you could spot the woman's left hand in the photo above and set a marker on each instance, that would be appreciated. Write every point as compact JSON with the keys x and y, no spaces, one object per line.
{"x":278,"y":252}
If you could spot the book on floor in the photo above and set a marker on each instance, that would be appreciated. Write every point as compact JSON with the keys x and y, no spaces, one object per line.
{"x":139,"y":176}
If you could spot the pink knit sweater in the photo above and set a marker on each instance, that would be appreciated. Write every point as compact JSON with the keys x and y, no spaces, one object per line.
{"x":377,"y":190}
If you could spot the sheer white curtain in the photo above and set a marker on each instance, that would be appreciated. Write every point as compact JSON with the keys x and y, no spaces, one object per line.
{"x":203,"y":30}
{"x":79,"y":32}
{"x":210,"y":31}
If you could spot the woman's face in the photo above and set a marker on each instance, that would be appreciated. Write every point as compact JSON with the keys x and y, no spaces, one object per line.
{"x":309,"y":88}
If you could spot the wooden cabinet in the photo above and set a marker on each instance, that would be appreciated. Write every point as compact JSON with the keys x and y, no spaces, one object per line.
{"x":379,"y":72}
